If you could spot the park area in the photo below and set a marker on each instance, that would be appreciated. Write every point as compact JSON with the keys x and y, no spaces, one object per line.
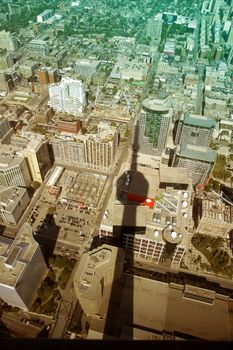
{"x":214,"y":251}
{"x":49,"y":292}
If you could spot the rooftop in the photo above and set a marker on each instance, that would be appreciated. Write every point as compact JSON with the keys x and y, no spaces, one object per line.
{"x":10,"y":197}
{"x":197,"y":152}
{"x":173,"y":175}
{"x":199,"y":121}
{"x":155,"y":105}
{"x":16,"y":255}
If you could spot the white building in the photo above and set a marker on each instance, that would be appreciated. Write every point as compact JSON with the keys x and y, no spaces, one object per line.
{"x":68,"y":96}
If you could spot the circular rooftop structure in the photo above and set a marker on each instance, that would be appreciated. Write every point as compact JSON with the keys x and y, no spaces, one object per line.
{"x":172,"y":235}
{"x":155,"y":106}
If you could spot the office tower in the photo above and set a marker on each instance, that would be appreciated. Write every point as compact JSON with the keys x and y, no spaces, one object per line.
{"x":154,"y":122}
{"x":97,"y":150}
{"x":14,"y":170}
{"x":6,"y":82}
{"x":194,"y":129}
{"x":42,"y":17}
{"x":35,"y":148}
{"x":87,"y":68}
{"x":199,"y":161}
{"x":39,"y":46}
{"x":68,"y":96}
{"x":5,"y":128}
{"x":13,"y":203}
{"x":6,"y":60}
{"x":8,"y":41}
{"x":22,"y":267}
{"x":68,"y":150}
{"x":96,"y":272}
{"x":101,"y":148}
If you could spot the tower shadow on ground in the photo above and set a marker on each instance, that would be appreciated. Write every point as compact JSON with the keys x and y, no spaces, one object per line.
{"x":120,"y":314}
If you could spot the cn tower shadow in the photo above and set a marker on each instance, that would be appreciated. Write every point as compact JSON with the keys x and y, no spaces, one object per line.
{"x":131,"y":193}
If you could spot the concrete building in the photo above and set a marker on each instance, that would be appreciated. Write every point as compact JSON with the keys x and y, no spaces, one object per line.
{"x":42,"y":17}
{"x":5,"y":128}
{"x":22,"y":267}
{"x":214,"y":218}
{"x":69,"y":125}
{"x":6,"y":60}
{"x":142,"y":308}
{"x":125,"y":69}
{"x":149,"y":212}
{"x":199,"y":161}
{"x":6,"y":83}
{"x":86,"y":68}
{"x":68,"y":96}
{"x":13,"y":203}
{"x":14,"y":170}
{"x":96,"y":151}
{"x":153,"y":126}
{"x":8,"y":41}
{"x":39,"y":46}
{"x":101,"y":148}
{"x":96,"y":272}
{"x":194,"y":129}
{"x":35,"y":149}
{"x":68,"y":149}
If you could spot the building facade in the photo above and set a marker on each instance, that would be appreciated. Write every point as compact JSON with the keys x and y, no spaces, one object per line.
{"x":14,"y":171}
{"x":194,"y":129}
{"x":68,"y":96}
{"x":13,"y":203}
{"x":154,"y":122}
{"x":199,"y":161}
{"x":20,"y":260}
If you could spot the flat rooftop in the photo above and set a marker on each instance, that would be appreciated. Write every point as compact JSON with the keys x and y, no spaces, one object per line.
{"x":15,"y":258}
{"x":197,"y":152}
{"x":199,"y":121}
{"x":173,"y":175}
{"x":155,"y":105}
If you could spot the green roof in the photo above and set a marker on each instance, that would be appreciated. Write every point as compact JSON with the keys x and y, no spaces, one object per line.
{"x":197,"y":152}
{"x":199,"y":120}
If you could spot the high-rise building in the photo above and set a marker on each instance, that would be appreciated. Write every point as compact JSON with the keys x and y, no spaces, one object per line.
{"x":67,"y":96}
{"x":154,"y":122}
{"x":22,"y":267}
{"x":97,"y":270}
{"x":42,"y":17}
{"x":14,"y":170}
{"x":199,"y":161}
{"x":35,"y":148}
{"x":101,"y":148}
{"x":68,"y":149}
{"x":5,"y":128}
{"x":8,"y":41}
{"x":39,"y":46}
{"x":13,"y":203}
{"x":86,"y":68}
{"x":194,"y":129}
{"x":95,"y":151}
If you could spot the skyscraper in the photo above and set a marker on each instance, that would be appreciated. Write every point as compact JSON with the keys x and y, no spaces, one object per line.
{"x":154,"y":121}
{"x":194,"y":129}
{"x":8,"y":41}
{"x":199,"y":161}
{"x":68,"y":96}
